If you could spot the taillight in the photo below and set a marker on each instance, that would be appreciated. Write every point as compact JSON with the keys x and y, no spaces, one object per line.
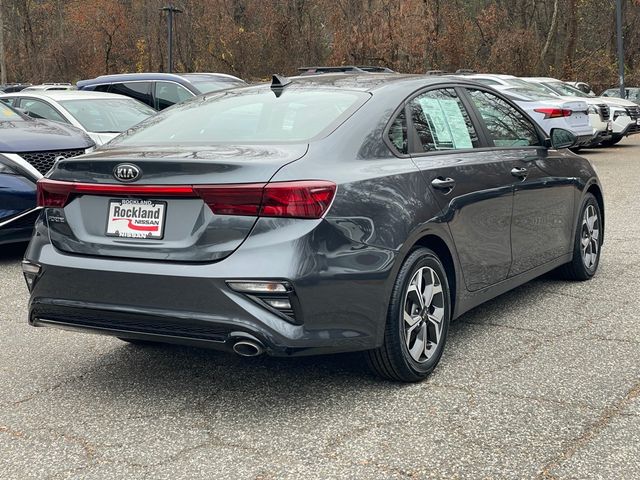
{"x":554,"y":112}
{"x":306,"y":199}
{"x":298,"y":199}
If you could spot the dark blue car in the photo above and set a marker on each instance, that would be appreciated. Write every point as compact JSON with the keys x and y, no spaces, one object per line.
{"x":161,"y":90}
{"x":28,"y":150}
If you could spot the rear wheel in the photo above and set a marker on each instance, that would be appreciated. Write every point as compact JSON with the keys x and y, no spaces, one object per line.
{"x":587,"y":242}
{"x":417,"y":320}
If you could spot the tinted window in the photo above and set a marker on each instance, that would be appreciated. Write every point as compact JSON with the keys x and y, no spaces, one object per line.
{"x":439,"y":121}
{"x":170,"y":93}
{"x":102,"y":88}
{"x":40,"y":109}
{"x":255,"y":116}
{"x":108,"y":115}
{"x":398,"y":133}
{"x":138,"y":90}
{"x":507,"y":126}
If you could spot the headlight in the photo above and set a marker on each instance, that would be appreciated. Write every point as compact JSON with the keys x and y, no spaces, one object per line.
{"x":593,"y":109}
{"x":90,"y":149}
{"x":620,"y":113}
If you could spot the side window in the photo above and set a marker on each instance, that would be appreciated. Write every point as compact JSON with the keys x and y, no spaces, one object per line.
{"x":170,"y":93}
{"x":439,"y":121}
{"x":138,"y":90}
{"x":102,"y":88}
{"x":398,"y":133}
{"x":40,"y":109}
{"x":7,"y":101}
{"x":507,"y":126}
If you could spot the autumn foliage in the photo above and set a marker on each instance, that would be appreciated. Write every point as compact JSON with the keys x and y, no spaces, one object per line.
{"x":67,"y":40}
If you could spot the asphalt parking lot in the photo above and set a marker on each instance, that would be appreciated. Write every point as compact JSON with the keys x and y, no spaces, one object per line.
{"x":543,"y":382}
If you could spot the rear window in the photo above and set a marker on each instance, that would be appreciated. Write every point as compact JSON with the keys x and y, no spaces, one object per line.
{"x":248,"y":116}
{"x":108,"y":115}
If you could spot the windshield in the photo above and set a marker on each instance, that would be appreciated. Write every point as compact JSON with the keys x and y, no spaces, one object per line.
{"x":248,"y":116}
{"x":564,"y":89}
{"x":107,"y":115}
{"x":7,"y":114}
{"x":206,"y":84}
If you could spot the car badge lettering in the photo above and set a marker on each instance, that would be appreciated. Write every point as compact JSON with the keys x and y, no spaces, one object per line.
{"x":126,"y":172}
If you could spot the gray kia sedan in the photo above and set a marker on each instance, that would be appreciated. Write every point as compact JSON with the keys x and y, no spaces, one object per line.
{"x":312,"y":215}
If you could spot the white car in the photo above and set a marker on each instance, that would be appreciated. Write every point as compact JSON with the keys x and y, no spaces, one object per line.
{"x":599,"y":111}
{"x":553,"y":112}
{"x":625,"y":115}
{"x":103,"y":116}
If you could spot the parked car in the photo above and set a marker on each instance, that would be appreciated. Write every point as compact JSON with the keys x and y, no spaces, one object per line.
{"x":318,"y":214}
{"x":28,"y":149}
{"x":553,"y":112}
{"x":103,"y":116}
{"x":161,"y":90}
{"x":632,"y":94}
{"x":45,"y":87}
{"x":13,"y":87}
{"x":625,"y":115}
{"x":599,"y":112}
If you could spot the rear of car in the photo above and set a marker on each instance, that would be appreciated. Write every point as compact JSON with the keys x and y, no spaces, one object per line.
{"x":181,"y":230}
{"x":28,"y":150}
{"x":551,"y":112}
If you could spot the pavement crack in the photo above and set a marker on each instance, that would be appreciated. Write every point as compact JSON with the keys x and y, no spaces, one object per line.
{"x":608,"y":415}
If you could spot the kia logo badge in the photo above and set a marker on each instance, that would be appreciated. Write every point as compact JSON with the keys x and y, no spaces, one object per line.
{"x":126,"y":172}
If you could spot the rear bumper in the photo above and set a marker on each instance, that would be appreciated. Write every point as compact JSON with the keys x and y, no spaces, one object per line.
{"x":342,"y":294}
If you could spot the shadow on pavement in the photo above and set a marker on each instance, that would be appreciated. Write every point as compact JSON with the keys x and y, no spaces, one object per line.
{"x":12,"y":251}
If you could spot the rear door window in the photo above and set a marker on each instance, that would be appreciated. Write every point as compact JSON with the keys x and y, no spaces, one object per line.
{"x":138,"y":90}
{"x":439,"y":121}
{"x":170,"y":93}
{"x":506,"y":125}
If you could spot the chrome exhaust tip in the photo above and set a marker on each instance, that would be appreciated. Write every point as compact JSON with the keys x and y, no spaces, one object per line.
{"x":248,"y":348}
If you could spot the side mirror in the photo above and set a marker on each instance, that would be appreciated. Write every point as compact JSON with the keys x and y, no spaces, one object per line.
{"x":561,"y":138}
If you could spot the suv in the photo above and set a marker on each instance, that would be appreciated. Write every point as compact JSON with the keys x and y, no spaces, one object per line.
{"x":632,"y":94}
{"x":161,"y":90}
{"x":28,"y":150}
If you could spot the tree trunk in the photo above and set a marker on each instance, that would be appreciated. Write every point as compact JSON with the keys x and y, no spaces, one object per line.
{"x":3,"y":63}
{"x":552,"y":31}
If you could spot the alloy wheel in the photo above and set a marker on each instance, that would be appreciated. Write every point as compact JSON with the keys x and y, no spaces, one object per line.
{"x":590,"y":237}
{"x":423,"y":314}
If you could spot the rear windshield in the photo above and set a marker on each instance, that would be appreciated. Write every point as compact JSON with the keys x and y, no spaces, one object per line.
{"x":8,"y":115}
{"x":568,"y":90}
{"x":107,"y":115}
{"x":528,"y":94}
{"x":248,"y":116}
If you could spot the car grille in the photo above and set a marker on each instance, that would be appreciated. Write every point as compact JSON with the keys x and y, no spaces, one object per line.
{"x":43,"y":161}
{"x":605,"y":112}
{"x":634,"y":112}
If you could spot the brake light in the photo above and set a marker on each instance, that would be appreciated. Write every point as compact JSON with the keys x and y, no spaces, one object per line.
{"x":298,"y":199}
{"x":306,"y":199}
{"x":554,"y":112}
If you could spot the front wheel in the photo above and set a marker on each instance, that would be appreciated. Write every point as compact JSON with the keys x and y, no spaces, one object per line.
{"x":417,"y":320}
{"x":587,"y":242}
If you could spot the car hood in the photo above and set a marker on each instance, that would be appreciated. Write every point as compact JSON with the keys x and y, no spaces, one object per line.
{"x":40,"y":135}
{"x":616,"y":102}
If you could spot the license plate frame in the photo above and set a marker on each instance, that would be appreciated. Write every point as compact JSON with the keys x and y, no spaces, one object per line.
{"x":133,"y":218}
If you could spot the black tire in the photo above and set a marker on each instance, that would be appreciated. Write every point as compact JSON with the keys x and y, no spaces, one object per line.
{"x":577,"y":268}
{"x":393,"y":359}
{"x":611,"y":142}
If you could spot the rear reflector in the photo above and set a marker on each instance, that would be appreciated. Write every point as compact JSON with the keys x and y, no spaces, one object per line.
{"x":554,"y":112}
{"x":299,"y":199}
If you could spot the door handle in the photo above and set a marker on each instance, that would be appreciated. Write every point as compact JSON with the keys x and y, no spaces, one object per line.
{"x":443,"y":183}
{"x":519,"y":172}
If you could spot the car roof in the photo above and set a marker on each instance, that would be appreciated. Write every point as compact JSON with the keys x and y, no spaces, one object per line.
{"x":58,"y":95}
{"x":177,"y":77}
{"x":543,"y":79}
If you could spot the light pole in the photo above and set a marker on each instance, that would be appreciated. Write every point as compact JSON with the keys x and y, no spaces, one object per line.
{"x":620,"y":46}
{"x":170,"y":10}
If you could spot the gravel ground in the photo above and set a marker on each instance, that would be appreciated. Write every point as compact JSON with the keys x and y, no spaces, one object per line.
{"x":543,"y":382}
